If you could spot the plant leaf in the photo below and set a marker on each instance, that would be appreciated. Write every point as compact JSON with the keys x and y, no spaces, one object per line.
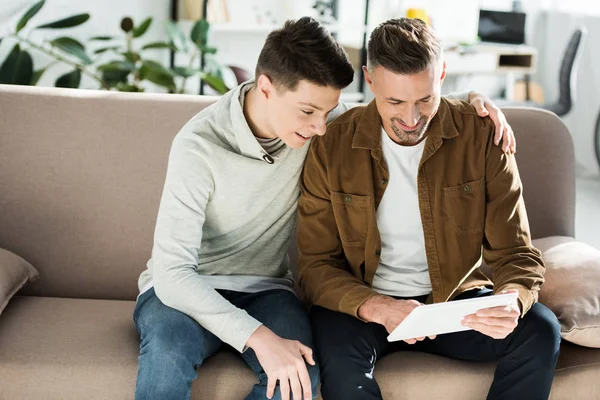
{"x":132,"y":57}
{"x":117,"y":66}
{"x":102,"y":38}
{"x":9,"y":64}
{"x":159,"y":45}
{"x":157,"y":67}
{"x":73,"y":47}
{"x":29,"y":14}
{"x":23,"y":69}
{"x":215,"y":82}
{"x":127,"y":87}
{"x":105,"y":49}
{"x":208,"y":50}
{"x":199,"y":34}
{"x":213,"y":67}
{"x":36,"y":76}
{"x":69,"y":80}
{"x":185,"y":72}
{"x":140,"y":30}
{"x":113,"y":77}
{"x":176,"y":36}
{"x":69,"y":22}
{"x":156,"y":73}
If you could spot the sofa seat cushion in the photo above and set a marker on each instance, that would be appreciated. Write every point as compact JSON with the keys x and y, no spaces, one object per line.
{"x":53,"y":348}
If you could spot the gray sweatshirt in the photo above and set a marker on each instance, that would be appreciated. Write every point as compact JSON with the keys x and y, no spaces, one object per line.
{"x":225,"y":219}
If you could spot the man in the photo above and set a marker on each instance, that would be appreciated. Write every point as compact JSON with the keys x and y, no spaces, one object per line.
{"x":398,"y":199}
{"x":219,"y":269}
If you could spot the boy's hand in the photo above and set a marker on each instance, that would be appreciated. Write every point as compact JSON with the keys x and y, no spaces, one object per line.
{"x":283,"y":361}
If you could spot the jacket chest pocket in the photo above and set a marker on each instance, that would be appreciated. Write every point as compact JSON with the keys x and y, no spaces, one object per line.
{"x":465,"y":204}
{"x":351,"y":213}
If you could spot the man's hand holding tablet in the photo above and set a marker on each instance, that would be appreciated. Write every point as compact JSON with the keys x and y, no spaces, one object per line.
{"x":495,"y":316}
{"x":495,"y":322}
{"x":389,"y":312}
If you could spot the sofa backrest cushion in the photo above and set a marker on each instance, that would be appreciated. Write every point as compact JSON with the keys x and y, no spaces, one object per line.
{"x":81,"y":175}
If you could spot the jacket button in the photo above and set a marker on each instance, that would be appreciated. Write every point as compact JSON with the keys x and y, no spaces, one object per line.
{"x":268,"y":159}
{"x":384,"y":181}
{"x":467,"y":188}
{"x":378,"y":253}
{"x":348,"y":199}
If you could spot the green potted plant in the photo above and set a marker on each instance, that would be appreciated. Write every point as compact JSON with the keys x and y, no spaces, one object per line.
{"x":128,"y":66}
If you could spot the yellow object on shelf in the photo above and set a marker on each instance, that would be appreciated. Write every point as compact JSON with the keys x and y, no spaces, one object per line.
{"x":418,"y":13}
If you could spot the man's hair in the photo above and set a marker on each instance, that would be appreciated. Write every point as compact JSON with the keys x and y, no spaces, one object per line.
{"x":304,"y":50}
{"x":405,"y":46}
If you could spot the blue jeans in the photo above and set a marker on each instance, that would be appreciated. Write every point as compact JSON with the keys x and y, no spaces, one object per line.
{"x":526,"y":358}
{"x":173,"y":345}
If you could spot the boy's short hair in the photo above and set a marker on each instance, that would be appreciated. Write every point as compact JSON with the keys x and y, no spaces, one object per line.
{"x":304,"y":50}
{"x":405,"y":46}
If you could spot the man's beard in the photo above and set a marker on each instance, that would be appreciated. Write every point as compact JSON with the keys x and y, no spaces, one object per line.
{"x":410,"y":137}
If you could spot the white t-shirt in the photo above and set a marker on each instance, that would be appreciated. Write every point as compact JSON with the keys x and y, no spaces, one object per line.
{"x":403,"y":269}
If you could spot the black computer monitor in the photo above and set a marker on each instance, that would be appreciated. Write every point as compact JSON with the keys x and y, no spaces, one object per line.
{"x":502,"y":27}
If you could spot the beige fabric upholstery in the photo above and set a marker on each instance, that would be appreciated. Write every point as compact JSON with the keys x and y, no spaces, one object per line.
{"x":81,"y":174}
{"x":85,"y":171}
{"x":14,"y":274}
{"x":87,"y":349}
{"x":546,"y":162}
{"x":572,"y":287}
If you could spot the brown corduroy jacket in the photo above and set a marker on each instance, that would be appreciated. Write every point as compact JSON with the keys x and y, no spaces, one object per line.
{"x":470,"y":199}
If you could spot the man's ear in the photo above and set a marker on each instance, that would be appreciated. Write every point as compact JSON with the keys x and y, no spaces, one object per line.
{"x":265,"y":86}
{"x":368,"y":78}
{"x":443,"y":75}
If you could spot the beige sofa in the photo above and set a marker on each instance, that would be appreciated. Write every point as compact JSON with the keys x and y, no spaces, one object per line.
{"x":81,"y":173}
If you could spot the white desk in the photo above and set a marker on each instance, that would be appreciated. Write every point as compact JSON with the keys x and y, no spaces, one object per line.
{"x":507,"y":60}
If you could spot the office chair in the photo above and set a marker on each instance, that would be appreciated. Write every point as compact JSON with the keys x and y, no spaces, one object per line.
{"x":597,"y":139}
{"x":567,"y":79}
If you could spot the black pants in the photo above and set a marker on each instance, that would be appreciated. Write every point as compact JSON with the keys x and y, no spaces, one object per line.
{"x":347,"y":349}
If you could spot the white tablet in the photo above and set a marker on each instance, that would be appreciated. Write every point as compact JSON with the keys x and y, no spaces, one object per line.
{"x":436,"y":319}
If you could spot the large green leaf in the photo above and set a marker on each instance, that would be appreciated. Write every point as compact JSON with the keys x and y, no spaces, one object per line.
{"x":29,"y":14}
{"x":17,"y":69}
{"x":140,"y":30}
{"x":69,"y":22}
{"x":73,"y":47}
{"x":156,"y":73}
{"x":23,"y":69}
{"x":176,"y":36}
{"x":36,"y":76}
{"x":69,"y":80}
{"x":215,"y":82}
{"x":159,"y":45}
{"x":8,"y":66}
{"x":199,"y":34}
{"x":117,"y":66}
